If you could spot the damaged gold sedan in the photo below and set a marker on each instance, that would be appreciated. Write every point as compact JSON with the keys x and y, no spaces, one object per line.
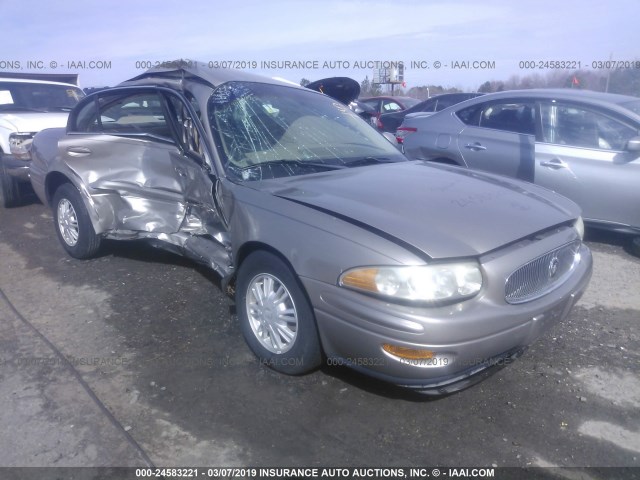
{"x":425,"y":276}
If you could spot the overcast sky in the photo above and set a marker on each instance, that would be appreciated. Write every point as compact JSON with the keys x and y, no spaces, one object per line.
{"x":501,"y":31}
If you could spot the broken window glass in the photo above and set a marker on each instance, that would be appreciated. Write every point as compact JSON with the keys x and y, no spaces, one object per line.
{"x":268,"y":131}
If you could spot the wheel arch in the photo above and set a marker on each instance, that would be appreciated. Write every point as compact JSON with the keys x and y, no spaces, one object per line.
{"x":56,"y":179}
{"x":52,"y":182}
{"x":255,"y":246}
{"x":251,"y":246}
{"x":243,"y":254}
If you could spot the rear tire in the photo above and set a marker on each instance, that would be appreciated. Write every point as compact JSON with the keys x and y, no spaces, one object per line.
{"x":73,"y":225}
{"x":9,"y":189}
{"x":275,"y":315}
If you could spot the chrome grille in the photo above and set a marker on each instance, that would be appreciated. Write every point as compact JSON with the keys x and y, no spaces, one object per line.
{"x":543,"y":274}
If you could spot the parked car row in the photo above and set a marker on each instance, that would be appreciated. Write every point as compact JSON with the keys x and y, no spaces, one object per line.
{"x":583,"y":145}
{"x":424,"y":275}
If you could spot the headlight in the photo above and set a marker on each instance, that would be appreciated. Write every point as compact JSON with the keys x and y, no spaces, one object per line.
{"x":443,"y":282}
{"x":20,"y":145}
{"x":579,"y":226}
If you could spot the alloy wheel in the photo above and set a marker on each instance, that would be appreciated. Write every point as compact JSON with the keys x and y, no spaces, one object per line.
{"x":272,"y":313}
{"x":68,"y":222}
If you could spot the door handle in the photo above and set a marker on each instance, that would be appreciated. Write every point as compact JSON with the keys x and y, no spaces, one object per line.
{"x":78,"y":151}
{"x":555,"y":163}
{"x":475,"y":147}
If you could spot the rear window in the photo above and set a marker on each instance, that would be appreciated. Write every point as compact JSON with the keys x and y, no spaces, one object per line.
{"x":447,"y":101}
{"x":410,"y":102}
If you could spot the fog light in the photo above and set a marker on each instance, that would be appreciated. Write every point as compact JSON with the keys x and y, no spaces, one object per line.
{"x":408,"y":353}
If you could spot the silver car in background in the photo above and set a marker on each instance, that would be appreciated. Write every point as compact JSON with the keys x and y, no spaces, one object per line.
{"x":584,"y":145}
{"x":338,"y":248}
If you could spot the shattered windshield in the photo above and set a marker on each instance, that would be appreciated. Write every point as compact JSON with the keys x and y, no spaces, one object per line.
{"x":268,"y":131}
{"x":38,"y":97}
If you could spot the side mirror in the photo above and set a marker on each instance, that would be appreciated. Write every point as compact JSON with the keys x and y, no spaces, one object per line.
{"x":392,"y":138}
{"x":633,"y":145}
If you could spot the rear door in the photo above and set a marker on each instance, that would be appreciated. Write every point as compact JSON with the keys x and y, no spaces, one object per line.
{"x":123,"y":145}
{"x":582,"y":155}
{"x":499,"y":137}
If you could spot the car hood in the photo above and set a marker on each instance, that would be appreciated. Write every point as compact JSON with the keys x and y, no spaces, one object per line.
{"x":442,"y":211}
{"x":35,"y":121}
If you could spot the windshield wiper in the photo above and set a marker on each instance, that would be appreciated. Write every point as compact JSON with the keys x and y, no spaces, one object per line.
{"x":297,"y":163}
{"x":368,"y":161}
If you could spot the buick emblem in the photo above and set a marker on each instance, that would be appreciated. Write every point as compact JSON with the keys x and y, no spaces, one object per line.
{"x":553,"y":267}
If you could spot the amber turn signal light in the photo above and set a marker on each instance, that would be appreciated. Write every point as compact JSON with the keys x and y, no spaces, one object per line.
{"x":408,"y":353}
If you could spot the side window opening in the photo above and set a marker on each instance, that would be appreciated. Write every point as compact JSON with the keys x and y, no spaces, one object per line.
{"x":87,"y":118}
{"x":125,"y":113}
{"x":188,"y":134}
{"x":194,"y":104}
{"x":470,"y":115}
{"x":576,"y":126}
{"x":511,"y":117}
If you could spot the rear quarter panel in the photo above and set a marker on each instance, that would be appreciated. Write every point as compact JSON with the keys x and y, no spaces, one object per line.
{"x":44,"y":153}
{"x":436,"y":137}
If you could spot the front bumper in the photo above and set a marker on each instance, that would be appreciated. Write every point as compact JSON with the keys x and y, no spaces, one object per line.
{"x":470,"y":340}
{"x":16,"y":168}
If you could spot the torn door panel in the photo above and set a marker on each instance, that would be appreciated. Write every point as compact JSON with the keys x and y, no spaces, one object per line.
{"x":160,"y":194}
{"x":137,"y":175}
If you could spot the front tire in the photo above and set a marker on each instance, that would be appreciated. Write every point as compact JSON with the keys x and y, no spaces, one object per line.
{"x":9,"y":189}
{"x":73,"y":225}
{"x":275,"y":315}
